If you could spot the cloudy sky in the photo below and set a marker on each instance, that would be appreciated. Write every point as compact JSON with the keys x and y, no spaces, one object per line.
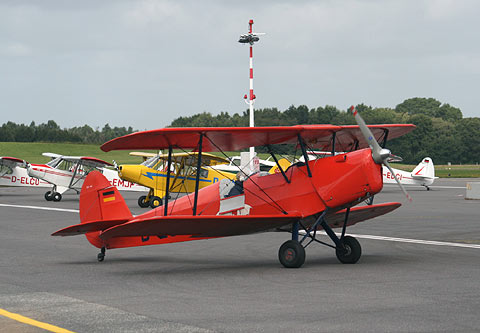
{"x":144,"y":63}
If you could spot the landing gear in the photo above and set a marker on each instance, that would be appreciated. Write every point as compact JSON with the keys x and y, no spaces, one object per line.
{"x":155,"y":202}
{"x":350,"y":251}
{"x":291,"y":254}
{"x":101,"y":255}
{"x":49,"y":196}
{"x":57,"y":196}
{"x":428,"y":188}
{"x":142,"y":202}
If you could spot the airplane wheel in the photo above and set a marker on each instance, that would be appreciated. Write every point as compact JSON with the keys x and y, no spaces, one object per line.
{"x":57,"y":196}
{"x":49,"y":196}
{"x":351,"y":251}
{"x":101,"y":255}
{"x":428,"y":188}
{"x":291,"y":254}
{"x":142,"y":202}
{"x":155,"y":202}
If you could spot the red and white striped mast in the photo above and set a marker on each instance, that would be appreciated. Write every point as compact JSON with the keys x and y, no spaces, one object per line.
{"x":250,"y":38}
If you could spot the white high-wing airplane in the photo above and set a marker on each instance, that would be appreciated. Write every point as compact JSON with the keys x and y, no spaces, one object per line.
{"x":423,"y":174}
{"x":65,"y":173}
{"x":14,"y":174}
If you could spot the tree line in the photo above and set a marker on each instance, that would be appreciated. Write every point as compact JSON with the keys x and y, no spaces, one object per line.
{"x":442,"y":133}
{"x":51,"y":132}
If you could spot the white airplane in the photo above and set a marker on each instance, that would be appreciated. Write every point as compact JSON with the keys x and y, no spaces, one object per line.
{"x":65,"y":173}
{"x":14,"y":174}
{"x":423,"y":174}
{"x":235,"y":165}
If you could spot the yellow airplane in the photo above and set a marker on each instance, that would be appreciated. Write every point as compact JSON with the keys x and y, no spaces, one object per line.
{"x":152,"y":173}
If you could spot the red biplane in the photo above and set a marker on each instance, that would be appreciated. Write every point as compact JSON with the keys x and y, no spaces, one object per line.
{"x":306,"y":197}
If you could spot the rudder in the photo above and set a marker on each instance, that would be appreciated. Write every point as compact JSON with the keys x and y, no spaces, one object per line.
{"x":100,"y":201}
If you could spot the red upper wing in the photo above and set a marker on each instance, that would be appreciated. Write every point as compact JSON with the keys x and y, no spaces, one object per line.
{"x":238,"y":138}
{"x":347,"y":137}
{"x":218,"y":138}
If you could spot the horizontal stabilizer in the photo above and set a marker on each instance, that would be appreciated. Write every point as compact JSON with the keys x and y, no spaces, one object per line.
{"x":200,"y":226}
{"x":87,"y":227}
{"x":362,"y":213}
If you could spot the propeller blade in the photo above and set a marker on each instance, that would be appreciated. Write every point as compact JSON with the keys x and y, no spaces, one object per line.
{"x":368,"y":135}
{"x":398,"y":182}
{"x":379,"y":154}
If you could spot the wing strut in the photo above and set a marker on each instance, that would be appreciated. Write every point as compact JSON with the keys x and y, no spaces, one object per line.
{"x":167,"y":190}
{"x":385,"y":137}
{"x":304,"y":152}
{"x":197,"y":180}
{"x":278,"y":164}
{"x":334,"y":135}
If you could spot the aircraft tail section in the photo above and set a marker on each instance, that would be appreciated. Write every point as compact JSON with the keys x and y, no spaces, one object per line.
{"x":425,"y":169}
{"x":102,"y":203}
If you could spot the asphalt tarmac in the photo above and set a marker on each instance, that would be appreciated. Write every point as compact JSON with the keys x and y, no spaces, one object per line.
{"x":237,"y":284}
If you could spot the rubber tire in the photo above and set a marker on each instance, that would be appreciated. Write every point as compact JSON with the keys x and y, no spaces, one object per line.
{"x":291,"y":254}
{"x":142,"y":203}
{"x":49,"y":196}
{"x":155,"y":202}
{"x":100,"y":257}
{"x":57,"y":197}
{"x":353,"y":251}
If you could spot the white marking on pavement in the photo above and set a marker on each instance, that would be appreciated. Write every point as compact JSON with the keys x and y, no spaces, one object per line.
{"x":42,"y":208}
{"x":384,"y":238}
{"x":431,"y":186}
{"x":407,"y":240}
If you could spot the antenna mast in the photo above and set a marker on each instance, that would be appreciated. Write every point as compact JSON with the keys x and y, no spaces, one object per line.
{"x":250,"y":38}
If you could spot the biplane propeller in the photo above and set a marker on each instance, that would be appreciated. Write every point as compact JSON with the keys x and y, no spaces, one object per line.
{"x":303,"y":199}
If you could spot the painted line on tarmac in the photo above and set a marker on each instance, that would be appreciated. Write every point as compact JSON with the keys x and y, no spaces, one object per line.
{"x":384,"y":238}
{"x":33,"y":322}
{"x":418,"y":241}
{"x":459,"y":187}
{"x":42,"y":208}
{"x":407,"y":240}
{"x":431,"y":186}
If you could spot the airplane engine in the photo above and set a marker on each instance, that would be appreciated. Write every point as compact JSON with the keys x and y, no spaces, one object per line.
{"x":35,"y":172}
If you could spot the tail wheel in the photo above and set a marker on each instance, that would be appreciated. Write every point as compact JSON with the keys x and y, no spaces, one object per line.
{"x":57,"y":196}
{"x":155,"y":202}
{"x":49,"y":196}
{"x":291,"y":254}
{"x":142,"y":202}
{"x":351,"y":251}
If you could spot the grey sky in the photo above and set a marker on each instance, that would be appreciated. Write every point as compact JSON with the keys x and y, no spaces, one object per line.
{"x":145,"y":63}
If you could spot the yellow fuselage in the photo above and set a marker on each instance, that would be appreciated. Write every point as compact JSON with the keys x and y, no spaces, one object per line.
{"x":182,"y":180}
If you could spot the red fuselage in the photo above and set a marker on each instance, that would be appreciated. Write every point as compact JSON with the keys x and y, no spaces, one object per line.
{"x":335,"y":183}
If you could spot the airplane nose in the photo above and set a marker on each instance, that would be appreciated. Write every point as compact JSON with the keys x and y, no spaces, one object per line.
{"x":130,"y":173}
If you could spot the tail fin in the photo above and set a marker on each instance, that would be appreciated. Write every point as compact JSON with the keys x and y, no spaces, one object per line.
{"x":425,"y":169}
{"x":100,"y":201}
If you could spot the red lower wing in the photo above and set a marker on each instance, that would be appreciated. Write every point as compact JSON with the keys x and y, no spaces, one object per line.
{"x":359,"y":214}
{"x":199,"y":226}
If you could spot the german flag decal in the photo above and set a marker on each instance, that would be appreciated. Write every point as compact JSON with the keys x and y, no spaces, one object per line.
{"x":108,"y":196}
